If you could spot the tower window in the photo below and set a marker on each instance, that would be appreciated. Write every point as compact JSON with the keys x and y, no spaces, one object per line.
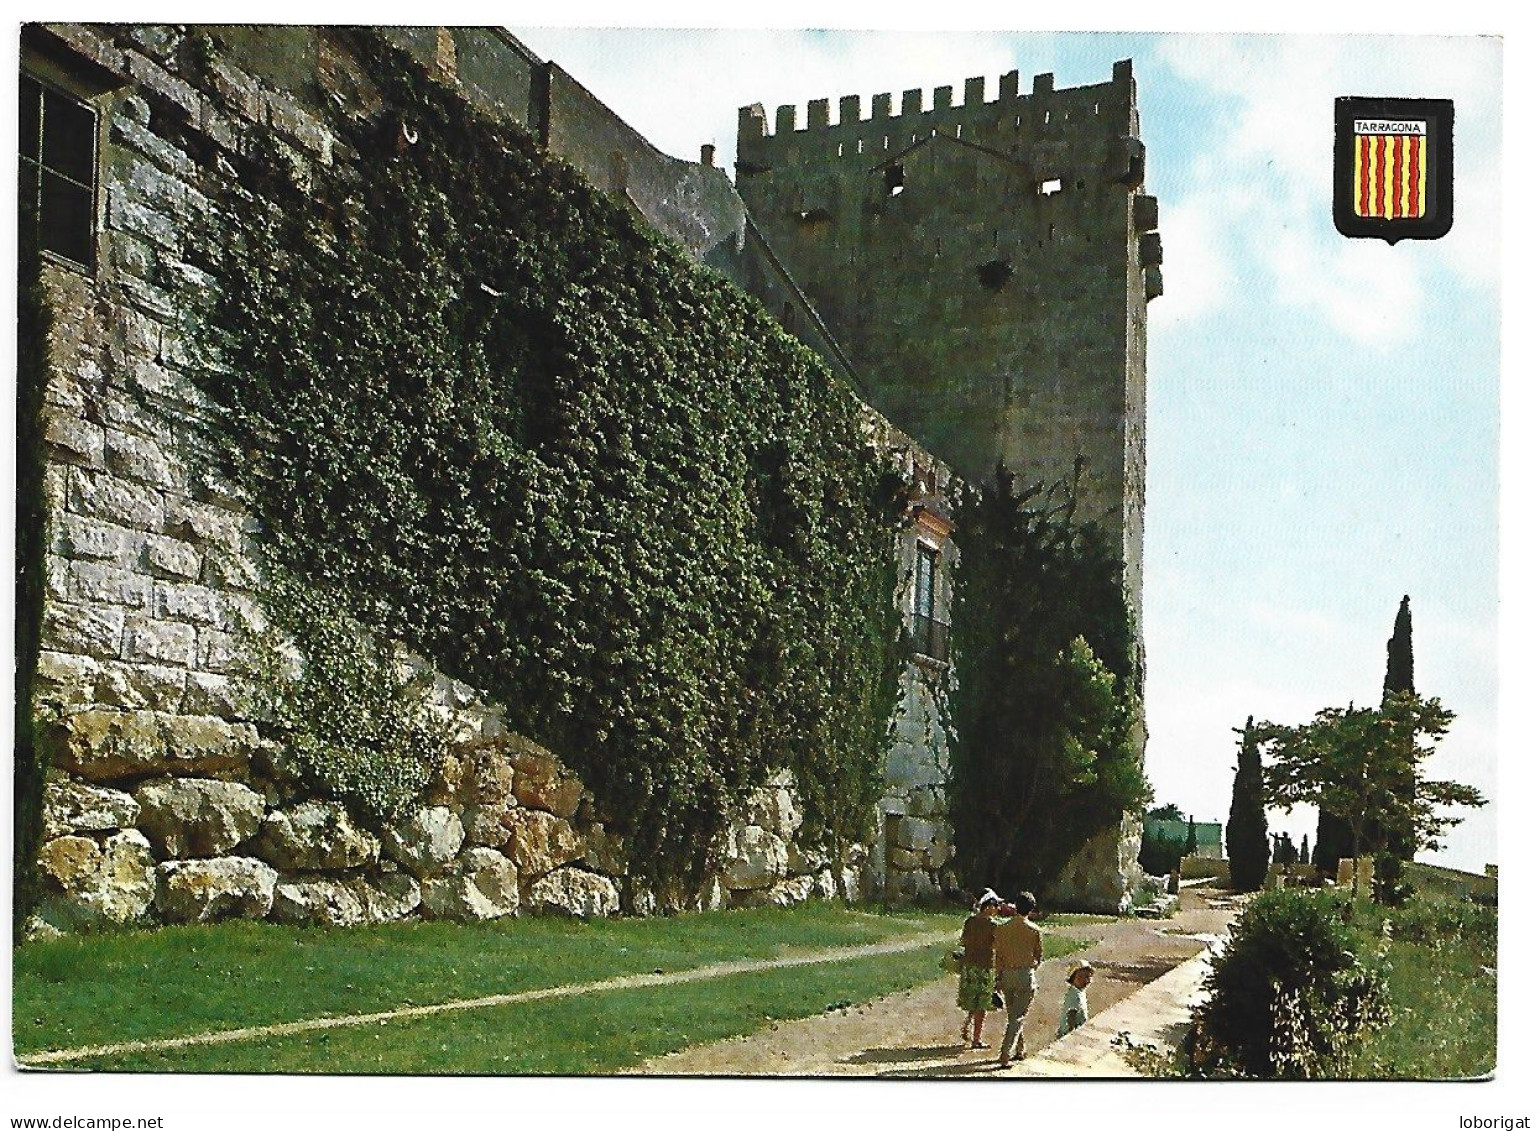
{"x":1050,"y":186}
{"x":57,"y":185}
{"x":893,"y":179}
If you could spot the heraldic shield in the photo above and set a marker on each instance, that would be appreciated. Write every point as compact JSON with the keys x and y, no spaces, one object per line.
{"x":1394,"y":168}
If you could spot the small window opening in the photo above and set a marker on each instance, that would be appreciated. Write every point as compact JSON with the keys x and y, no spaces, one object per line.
{"x":57,"y":185}
{"x":959,"y":129}
{"x":1096,"y":107}
{"x":839,"y":150}
{"x":1050,"y":186}
{"x":1046,"y":115}
{"x":995,"y":274}
{"x":893,"y":179}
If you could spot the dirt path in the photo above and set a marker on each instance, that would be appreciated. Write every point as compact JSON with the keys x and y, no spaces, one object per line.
{"x":917,"y":1032}
{"x":624,"y":982}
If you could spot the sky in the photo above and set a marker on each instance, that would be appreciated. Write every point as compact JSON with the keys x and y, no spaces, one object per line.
{"x":1323,"y":412}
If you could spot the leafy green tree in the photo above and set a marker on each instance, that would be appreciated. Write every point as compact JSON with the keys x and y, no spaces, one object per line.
{"x":1246,"y":831}
{"x":1167,"y":812}
{"x":1047,"y":711}
{"x":1358,"y":761}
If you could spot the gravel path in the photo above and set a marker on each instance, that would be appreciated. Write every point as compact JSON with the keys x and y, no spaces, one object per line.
{"x":917,"y":1032}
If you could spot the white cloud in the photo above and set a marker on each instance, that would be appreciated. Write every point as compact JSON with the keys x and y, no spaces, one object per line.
{"x":1267,"y":178}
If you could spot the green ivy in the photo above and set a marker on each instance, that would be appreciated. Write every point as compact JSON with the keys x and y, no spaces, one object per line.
{"x":1049,"y":687}
{"x":356,"y":726}
{"x":490,"y":415}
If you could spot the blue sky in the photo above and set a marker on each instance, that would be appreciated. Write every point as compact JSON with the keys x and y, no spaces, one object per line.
{"x":1323,"y":431}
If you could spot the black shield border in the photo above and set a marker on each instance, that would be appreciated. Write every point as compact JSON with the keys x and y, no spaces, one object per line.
{"x":1438,"y":216}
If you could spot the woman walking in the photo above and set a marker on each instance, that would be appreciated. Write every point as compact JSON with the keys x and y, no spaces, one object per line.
{"x":976,"y":977}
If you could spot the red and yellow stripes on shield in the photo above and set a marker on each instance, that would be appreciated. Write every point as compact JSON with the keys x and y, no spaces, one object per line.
{"x":1390,"y":173}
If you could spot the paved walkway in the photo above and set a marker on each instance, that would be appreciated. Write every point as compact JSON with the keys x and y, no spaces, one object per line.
{"x":915,"y":1033}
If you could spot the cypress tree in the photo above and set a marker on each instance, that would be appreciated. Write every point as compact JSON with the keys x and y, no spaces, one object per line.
{"x":1191,"y":846}
{"x":1304,"y":849}
{"x":1247,"y":827}
{"x":1390,"y":865}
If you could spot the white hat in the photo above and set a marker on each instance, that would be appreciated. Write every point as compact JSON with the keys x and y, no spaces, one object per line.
{"x":988,"y":896}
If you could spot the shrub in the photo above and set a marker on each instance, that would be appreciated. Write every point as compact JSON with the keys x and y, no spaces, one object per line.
{"x":1288,"y":991}
{"x":1434,"y":921}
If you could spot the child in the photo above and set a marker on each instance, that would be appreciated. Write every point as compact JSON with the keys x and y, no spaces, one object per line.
{"x":1076,"y":1008}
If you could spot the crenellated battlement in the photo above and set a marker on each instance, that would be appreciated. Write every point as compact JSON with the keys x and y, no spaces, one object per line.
{"x":1012,"y":121}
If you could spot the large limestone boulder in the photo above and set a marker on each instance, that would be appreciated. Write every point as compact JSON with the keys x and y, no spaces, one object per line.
{"x":317,"y":901}
{"x":187,"y":817}
{"x":926,"y":801}
{"x":542,"y":782}
{"x":802,"y":861}
{"x":772,"y":807}
{"x":90,"y":884}
{"x":388,"y":896}
{"x":488,"y":776}
{"x":540,"y":842}
{"x":226,"y":887}
{"x":755,"y":858}
{"x":489,"y":826}
{"x":783,"y":893}
{"x":571,"y":891}
{"x":315,"y":836}
{"x":110,"y":745}
{"x":485,"y":885}
{"x":74,"y":807}
{"x":426,"y":842}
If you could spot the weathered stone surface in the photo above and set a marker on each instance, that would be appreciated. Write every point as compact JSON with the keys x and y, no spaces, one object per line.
{"x":915,"y":833}
{"x":539,"y":842}
{"x":216,"y":695}
{"x":73,"y":440}
{"x":66,"y":679}
{"x":803,"y":861}
{"x":138,"y":458}
{"x":444,"y":782}
{"x":149,"y":641}
{"x":571,"y":891}
{"x":485,"y":885}
{"x":425,"y":842}
{"x":542,"y":782}
{"x":226,"y":887}
{"x":115,"y":500}
{"x":783,"y":893}
{"x":193,"y":604}
{"x":317,"y":901}
{"x":72,"y":807}
{"x":202,"y":523}
{"x":83,"y":629}
{"x":171,"y":557}
{"x":103,"y":583}
{"x":87,"y":885}
{"x":315,"y":836}
{"x":389,"y":896}
{"x":487,"y":826}
{"x":196,"y":816}
{"x":142,"y":687}
{"x":905,"y":859}
{"x":87,"y":538}
{"x":489,"y":776}
{"x":772,"y":807}
{"x":927,"y":801}
{"x":937,"y":855}
{"x":1103,"y":873}
{"x":105,"y":745}
{"x":755,"y":858}
{"x":603,"y":851}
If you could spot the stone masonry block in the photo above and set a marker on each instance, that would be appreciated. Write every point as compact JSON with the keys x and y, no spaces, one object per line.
{"x":190,"y":603}
{"x":73,"y":440}
{"x":238,"y":90}
{"x":66,"y":679}
{"x":140,"y":459}
{"x":216,"y":695}
{"x":218,"y":652}
{"x":98,"y":582}
{"x":171,"y":557}
{"x":157,"y":79}
{"x":129,"y":134}
{"x":202,"y":523}
{"x":83,"y":630}
{"x":140,"y":686}
{"x":159,"y":642}
{"x":81,"y":537}
{"x":125,"y":214}
{"x":299,"y":126}
{"x":116,"y":500}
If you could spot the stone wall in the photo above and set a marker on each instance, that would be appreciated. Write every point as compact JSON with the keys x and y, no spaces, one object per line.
{"x":165,"y":803}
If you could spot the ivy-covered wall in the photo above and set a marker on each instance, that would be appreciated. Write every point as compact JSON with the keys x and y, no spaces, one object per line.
{"x":370,"y":365}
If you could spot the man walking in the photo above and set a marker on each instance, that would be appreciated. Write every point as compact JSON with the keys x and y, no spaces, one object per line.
{"x":1018,"y":952}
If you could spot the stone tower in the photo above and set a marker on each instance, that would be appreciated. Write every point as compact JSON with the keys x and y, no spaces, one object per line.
{"x":986,"y":268}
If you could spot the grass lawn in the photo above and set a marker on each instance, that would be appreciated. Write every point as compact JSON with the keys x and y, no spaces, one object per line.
{"x":1443,"y":989}
{"x":134,"y":985}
